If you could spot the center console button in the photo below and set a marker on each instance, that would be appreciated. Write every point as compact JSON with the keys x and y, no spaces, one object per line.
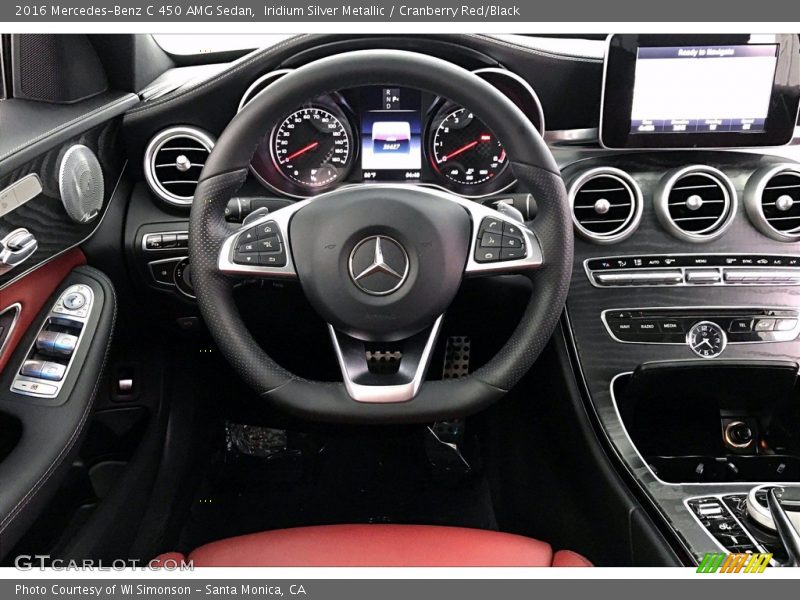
{"x":621,"y":326}
{"x":671,"y":326}
{"x":700,"y":276}
{"x":785,"y":324}
{"x":741,"y":326}
{"x":764,"y":325}
{"x":645,"y":326}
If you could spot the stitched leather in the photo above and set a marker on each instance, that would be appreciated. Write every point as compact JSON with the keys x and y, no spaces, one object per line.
{"x":534,"y":166}
{"x":378,"y":545}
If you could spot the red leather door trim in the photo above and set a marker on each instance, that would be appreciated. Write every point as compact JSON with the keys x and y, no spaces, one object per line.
{"x":32,"y":291}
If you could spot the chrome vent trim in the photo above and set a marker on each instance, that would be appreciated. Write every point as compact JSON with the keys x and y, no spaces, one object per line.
{"x":772,"y":201}
{"x":696,"y":203}
{"x":606,"y":204}
{"x":173,"y":161}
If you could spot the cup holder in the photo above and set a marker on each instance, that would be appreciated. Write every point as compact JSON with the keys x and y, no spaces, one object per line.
{"x":714,"y":422}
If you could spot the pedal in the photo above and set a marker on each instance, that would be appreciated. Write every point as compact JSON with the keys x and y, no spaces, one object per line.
{"x":456,"y":357}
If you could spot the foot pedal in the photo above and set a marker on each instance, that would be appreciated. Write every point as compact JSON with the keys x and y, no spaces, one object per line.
{"x":456,"y":357}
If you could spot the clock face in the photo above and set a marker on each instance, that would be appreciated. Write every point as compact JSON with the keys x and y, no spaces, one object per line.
{"x":706,"y":339}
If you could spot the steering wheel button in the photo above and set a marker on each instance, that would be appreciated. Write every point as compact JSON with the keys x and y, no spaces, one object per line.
{"x":248,"y":236}
{"x":248,"y":247}
{"x":267,"y":229}
{"x":484,"y":256}
{"x":272,"y":259}
{"x":491,"y":240}
{"x":512,"y":253}
{"x":512,"y":231}
{"x":512,"y":242}
{"x":270,"y":244}
{"x":491,"y":226}
{"x":245,"y":259}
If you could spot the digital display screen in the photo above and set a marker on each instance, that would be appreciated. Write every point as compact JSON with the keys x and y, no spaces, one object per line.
{"x":703,"y":89}
{"x":391,"y":134}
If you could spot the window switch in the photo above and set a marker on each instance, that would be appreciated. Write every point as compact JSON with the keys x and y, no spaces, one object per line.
{"x":52,"y":371}
{"x":32,"y":368}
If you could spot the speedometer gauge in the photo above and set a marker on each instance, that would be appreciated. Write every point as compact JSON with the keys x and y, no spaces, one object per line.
{"x":312,"y":147}
{"x":463,"y":149}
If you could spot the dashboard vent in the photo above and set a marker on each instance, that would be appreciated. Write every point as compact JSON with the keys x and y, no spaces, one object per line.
{"x":772,"y":200}
{"x":173,"y":161}
{"x":696,"y":204}
{"x":606,"y":204}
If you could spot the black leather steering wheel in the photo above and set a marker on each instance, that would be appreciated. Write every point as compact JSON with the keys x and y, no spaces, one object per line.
{"x":380,"y":262}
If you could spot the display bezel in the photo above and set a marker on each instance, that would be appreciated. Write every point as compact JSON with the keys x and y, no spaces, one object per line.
{"x":618,"y":89}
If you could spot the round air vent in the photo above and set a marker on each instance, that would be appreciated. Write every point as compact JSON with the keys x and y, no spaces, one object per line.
{"x":695,"y":204}
{"x":173,"y":161}
{"x":606,"y":204}
{"x":772,"y":200}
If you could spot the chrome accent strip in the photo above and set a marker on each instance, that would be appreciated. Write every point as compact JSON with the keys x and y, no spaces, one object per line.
{"x":569,"y":137}
{"x":19,"y":192}
{"x":155,"y":145}
{"x":532,"y":260}
{"x":17,"y":307}
{"x":384,"y":394}
{"x":590,"y":275}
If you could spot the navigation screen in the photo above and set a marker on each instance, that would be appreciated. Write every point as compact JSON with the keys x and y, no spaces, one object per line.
{"x":391,"y":132}
{"x":703,"y":89}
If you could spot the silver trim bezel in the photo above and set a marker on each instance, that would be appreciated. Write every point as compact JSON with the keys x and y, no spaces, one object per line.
{"x":17,"y":307}
{"x":155,"y":145}
{"x":753,"y":192}
{"x":84,"y":321}
{"x":634,"y":218}
{"x":590,"y":273}
{"x":386,"y":394}
{"x":533,"y":258}
{"x":661,"y":203}
{"x":20,"y":184}
{"x":795,"y":330}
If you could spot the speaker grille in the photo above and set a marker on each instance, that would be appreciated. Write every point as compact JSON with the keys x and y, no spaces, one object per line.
{"x":174,"y":160}
{"x":81,"y":184}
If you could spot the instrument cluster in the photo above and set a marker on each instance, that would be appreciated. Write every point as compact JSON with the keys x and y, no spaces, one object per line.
{"x":388,"y":134}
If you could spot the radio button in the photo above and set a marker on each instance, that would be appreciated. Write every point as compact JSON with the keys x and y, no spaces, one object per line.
{"x":741,"y":326}
{"x":764,"y":325}
{"x":671,"y":326}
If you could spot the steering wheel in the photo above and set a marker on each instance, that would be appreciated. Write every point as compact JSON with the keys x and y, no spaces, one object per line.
{"x":380,"y":262}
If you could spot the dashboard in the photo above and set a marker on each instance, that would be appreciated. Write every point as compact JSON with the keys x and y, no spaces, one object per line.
{"x":381,"y":134}
{"x":682,"y":165}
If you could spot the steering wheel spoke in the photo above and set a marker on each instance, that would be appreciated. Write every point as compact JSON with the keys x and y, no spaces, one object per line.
{"x":395,"y":373}
{"x":499,"y":243}
{"x":261,"y":248}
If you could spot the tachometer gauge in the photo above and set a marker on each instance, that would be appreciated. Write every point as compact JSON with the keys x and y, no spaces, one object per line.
{"x":312,"y":147}
{"x":463,"y":149}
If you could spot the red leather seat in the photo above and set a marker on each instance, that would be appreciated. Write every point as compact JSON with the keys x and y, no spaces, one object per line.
{"x":379,"y":546}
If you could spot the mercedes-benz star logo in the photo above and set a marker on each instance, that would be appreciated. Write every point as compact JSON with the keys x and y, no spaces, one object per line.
{"x":378,"y":265}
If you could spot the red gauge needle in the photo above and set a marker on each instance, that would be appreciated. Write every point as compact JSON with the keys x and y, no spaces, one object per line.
{"x":302,"y":150}
{"x":472,"y":144}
